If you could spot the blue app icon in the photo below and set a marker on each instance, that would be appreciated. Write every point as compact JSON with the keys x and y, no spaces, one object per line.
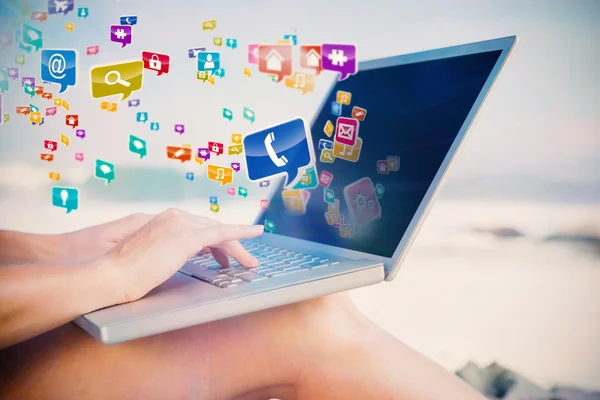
{"x":60,"y":6}
{"x":213,"y":200}
{"x":141,"y":117}
{"x":209,"y":62}
{"x":220,"y":73}
{"x":308,"y":180}
{"x":31,"y":37}
{"x":154,"y":126}
{"x":60,"y":66}
{"x":67,"y":198}
{"x":336,"y":108}
{"x":82,"y":12}
{"x":231,"y":42}
{"x":128,"y":20}
{"x":325,"y":144}
{"x":282,"y":149}
{"x":189,"y":176}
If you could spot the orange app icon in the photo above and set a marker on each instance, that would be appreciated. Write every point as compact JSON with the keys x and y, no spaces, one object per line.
{"x":359,"y":113}
{"x":47,"y":95}
{"x":58,"y":101}
{"x":275,"y":59}
{"x":46,"y":157}
{"x":295,"y":200}
{"x":310,"y":57}
{"x":301,"y":81}
{"x":39,"y":90}
{"x":328,"y":128}
{"x":179,"y":153}
{"x":343,"y":97}
{"x":55,"y":176}
{"x":220,"y":174}
{"x":35,"y":117}
{"x":23,"y":110}
{"x":348,"y":153}
{"x":236,"y":138}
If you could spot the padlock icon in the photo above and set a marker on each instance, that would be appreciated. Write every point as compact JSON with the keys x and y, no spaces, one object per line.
{"x":215,"y":148}
{"x":154,"y":63}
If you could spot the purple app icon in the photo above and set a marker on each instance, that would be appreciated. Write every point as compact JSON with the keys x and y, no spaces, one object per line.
{"x":50,"y":111}
{"x":179,"y":128}
{"x":339,"y":58}
{"x":235,"y":166}
{"x":203,"y":153}
{"x":264,"y":183}
{"x":120,"y":34}
{"x":134,"y":102}
{"x":193,"y":53}
{"x":13,"y":73}
{"x":29,"y":80}
{"x":80,"y":133}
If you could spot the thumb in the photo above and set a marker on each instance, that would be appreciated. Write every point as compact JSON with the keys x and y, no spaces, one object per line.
{"x":216,"y":234}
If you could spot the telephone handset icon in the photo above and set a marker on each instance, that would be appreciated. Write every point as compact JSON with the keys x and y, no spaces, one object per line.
{"x":278,"y":161}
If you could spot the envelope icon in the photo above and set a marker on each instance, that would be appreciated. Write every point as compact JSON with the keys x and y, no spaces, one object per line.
{"x":346,"y":131}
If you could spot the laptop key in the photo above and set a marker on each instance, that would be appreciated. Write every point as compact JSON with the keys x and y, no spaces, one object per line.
{"x":252,"y":277}
{"x":287,"y":272}
{"x":189,"y":269}
{"x":310,"y":264}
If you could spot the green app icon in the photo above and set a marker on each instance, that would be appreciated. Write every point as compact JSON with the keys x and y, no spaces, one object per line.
{"x":137,"y":146}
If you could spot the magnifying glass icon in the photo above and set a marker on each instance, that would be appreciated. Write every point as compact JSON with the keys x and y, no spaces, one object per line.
{"x":118,"y":79}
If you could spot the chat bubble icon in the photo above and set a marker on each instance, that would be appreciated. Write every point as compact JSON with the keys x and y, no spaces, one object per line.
{"x":235,"y":150}
{"x":67,"y":198}
{"x":105,"y":170}
{"x":227,"y":114}
{"x":6,"y":118}
{"x":218,"y":41}
{"x":339,"y":58}
{"x":79,"y":157}
{"x":141,"y":117}
{"x":283,"y":149}
{"x":50,"y":111}
{"x":231,"y":43}
{"x":211,"y":80}
{"x":13,"y":73}
{"x":179,"y":128}
{"x":275,"y":60}
{"x":301,"y":81}
{"x":236,"y":166}
{"x":217,"y":173}
{"x":60,"y":66}
{"x":243,"y":192}
{"x":32,"y":37}
{"x":137,"y":146}
{"x":209,"y":25}
{"x":80,"y":133}
{"x":154,"y":126}
{"x":249,"y":115}
{"x":122,"y":78}
{"x":29,"y":89}
{"x":20,"y":60}
{"x":202,"y":75}
{"x":269,"y":226}
{"x":64,"y":140}
{"x":60,"y":6}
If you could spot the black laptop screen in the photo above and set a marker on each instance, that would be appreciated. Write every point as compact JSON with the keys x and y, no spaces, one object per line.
{"x":366,"y":187}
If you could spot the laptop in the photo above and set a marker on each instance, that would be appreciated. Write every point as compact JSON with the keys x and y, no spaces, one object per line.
{"x":355,"y":216}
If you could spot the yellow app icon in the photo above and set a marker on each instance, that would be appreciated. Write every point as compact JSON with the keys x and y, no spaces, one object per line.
{"x":247,"y":72}
{"x":64,"y":140}
{"x":301,"y":81}
{"x":70,"y":26}
{"x":66,"y":105}
{"x":35,"y":117}
{"x":209,"y":25}
{"x":293,"y":200}
{"x":55,"y":176}
{"x":58,"y":101}
{"x":343,"y":97}
{"x":236,"y":138}
{"x":123,"y":78}
{"x":235,"y":150}
{"x":211,"y":80}
{"x":348,"y":153}
{"x":199,"y":160}
{"x":335,"y":207}
{"x":327,"y":156}
{"x":328,"y":128}
{"x":220,"y":174}
{"x":218,"y":41}
{"x":214,"y":207}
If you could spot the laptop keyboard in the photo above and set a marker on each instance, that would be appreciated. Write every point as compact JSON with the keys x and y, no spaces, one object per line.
{"x":273,"y":262}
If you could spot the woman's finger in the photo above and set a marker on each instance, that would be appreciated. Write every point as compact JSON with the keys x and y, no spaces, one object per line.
{"x":239,"y":253}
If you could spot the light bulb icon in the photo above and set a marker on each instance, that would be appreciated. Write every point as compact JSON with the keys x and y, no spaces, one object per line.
{"x":64,"y":195}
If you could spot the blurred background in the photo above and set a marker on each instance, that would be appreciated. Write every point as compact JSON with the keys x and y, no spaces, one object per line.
{"x":506,"y":268}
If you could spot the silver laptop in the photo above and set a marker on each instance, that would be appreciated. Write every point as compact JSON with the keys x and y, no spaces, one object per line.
{"x":355,"y":218}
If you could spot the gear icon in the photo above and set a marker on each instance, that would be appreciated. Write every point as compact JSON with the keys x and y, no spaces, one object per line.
{"x":360,"y":201}
{"x":370,"y":204}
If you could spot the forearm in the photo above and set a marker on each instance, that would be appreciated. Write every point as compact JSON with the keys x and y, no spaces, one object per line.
{"x":24,"y":248}
{"x":36,"y":298}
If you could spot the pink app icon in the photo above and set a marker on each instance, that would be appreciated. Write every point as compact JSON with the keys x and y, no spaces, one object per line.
{"x":92,"y":50}
{"x":231,"y":191}
{"x":346,"y":131}
{"x":79,"y":157}
{"x":264,"y":204}
{"x":325,"y":178}
{"x":361,"y":201}
{"x":253,"y":53}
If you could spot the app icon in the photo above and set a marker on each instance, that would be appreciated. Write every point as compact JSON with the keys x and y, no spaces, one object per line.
{"x":189,"y":176}
{"x":382,"y":167}
{"x":343,"y":97}
{"x":236,"y":166}
{"x":328,"y":196}
{"x":72,"y":120}
{"x":231,"y":191}
{"x":359,"y":113}
{"x":295,"y":201}
{"x":220,"y":72}
{"x":50,"y":111}
{"x":28,"y":80}
{"x":339,"y":58}
{"x":236,"y":138}
{"x":39,"y":16}
{"x":133,"y":102}
{"x":264,"y":183}
{"x":123,"y":78}
{"x":327,"y":156}
{"x":336,"y":108}
{"x":6,"y":117}
{"x":334,"y":207}
{"x":232,"y":43}
{"x":28,"y":89}
{"x":249,"y":115}
{"x":58,"y":102}
{"x":179,"y":153}
{"x":243,"y":192}
{"x":227,"y":114}
{"x":60,"y":66}
{"x":66,"y":105}
{"x":128,"y":20}
{"x":301,"y":81}
{"x":38,"y":90}
{"x":33,"y":108}
{"x":35,"y":118}
{"x":64,"y":140}
{"x":215,"y":147}
{"x":348,"y":153}
{"x":82,"y":12}
{"x":393,"y":163}
{"x":325,"y":178}
{"x":213,"y":199}
{"x":264,"y":204}
{"x":12,"y":73}
{"x":269,"y":226}
{"x":293,"y":38}
{"x":193,"y":53}
{"x":141,"y":117}
{"x":67,"y":198}
{"x":308,"y":180}
{"x":247,"y":72}
{"x":108,"y":106}
{"x":328,"y":129}
{"x":137,"y":146}
{"x":154,"y":126}
{"x":70,"y":26}
{"x":346,"y":131}
{"x":361,"y":201}
{"x":156,"y":62}
{"x":31,"y":37}
{"x":214,"y":208}
{"x":204,"y":153}
{"x":253,"y":53}
{"x":60,"y":6}
{"x":80,"y":133}
{"x":46,"y":95}
{"x":209,"y":62}
{"x":105,"y":170}
{"x":92,"y":50}
{"x":46,"y":157}
{"x":325,"y":144}
{"x":279,"y":150}
{"x":310,"y":57}
{"x":347,"y":231}
{"x":179,"y":128}
{"x":209,"y":25}
{"x":202,"y":75}
{"x":121,"y":34}
{"x":379,"y":190}
{"x":79,"y":157}
{"x":217,"y":173}
{"x":235,"y":150}
{"x":19,"y":60}
{"x":55,"y":176}
{"x":275,"y":60}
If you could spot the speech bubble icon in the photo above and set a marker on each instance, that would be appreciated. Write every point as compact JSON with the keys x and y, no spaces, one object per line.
{"x":217,"y":173}
{"x":202,"y":75}
{"x":301,"y":81}
{"x":283,"y":149}
{"x":64,"y":140}
{"x":141,"y":117}
{"x":243,"y":192}
{"x":20,"y":60}
{"x":70,"y":26}
{"x":154,"y":126}
{"x":72,"y":120}
{"x":218,"y":41}
{"x":235,"y":149}
{"x":105,"y":170}
{"x":231,"y":191}
{"x":6,"y":118}
{"x":137,"y":146}
{"x":59,"y":66}
{"x":122,"y":78}
{"x":13,"y":73}
{"x":209,"y":25}
{"x":55,"y":176}
{"x":82,"y":12}
{"x":67,"y":198}
{"x":179,"y":128}
{"x":269,"y":226}
{"x":211,"y":80}
{"x":80,"y":133}
{"x":227,"y":114}
{"x":276,"y":60}
{"x":232,"y":43}
{"x":79,"y":157}
{"x":28,"y":89}
{"x":339,"y":58}
{"x":66,"y":105}
{"x":236,"y":166}
{"x":249,"y":115}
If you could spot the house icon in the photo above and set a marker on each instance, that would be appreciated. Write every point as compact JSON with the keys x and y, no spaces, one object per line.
{"x":274,"y":60}
{"x":313,"y":59}
{"x":71,"y":121}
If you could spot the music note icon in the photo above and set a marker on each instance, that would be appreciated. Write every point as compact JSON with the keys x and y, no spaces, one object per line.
{"x":220,"y":174}
{"x":223,"y":175}
{"x":348,"y":153}
{"x":300,"y":80}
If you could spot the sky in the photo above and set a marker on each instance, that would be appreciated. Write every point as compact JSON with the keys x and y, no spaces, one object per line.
{"x":541,"y":120}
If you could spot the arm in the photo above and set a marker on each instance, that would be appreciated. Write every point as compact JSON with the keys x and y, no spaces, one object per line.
{"x":22,"y":248}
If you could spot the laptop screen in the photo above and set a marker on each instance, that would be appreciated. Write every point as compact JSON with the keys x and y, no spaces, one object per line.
{"x":379,"y":141}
